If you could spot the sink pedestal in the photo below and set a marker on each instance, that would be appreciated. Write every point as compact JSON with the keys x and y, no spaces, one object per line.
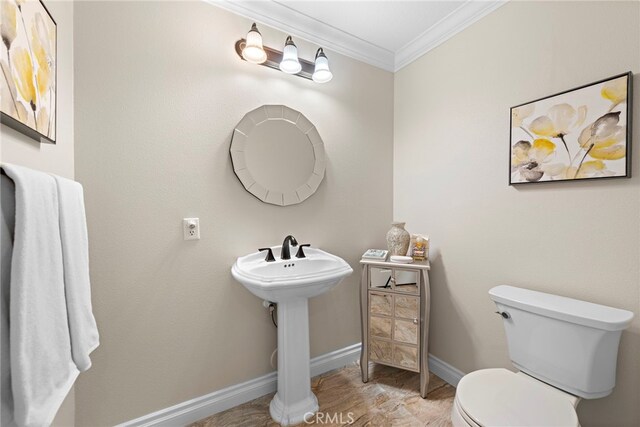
{"x":294,"y":398}
{"x":290,"y":283}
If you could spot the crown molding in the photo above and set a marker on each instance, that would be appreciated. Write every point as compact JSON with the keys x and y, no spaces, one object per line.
{"x":285,"y":19}
{"x":465,"y":15}
{"x":292,"y":22}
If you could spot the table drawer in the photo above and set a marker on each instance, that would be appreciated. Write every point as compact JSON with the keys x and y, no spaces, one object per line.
{"x":394,"y":279}
{"x":406,"y":281}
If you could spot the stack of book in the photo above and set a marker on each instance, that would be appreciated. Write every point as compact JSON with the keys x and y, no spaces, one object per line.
{"x":375,"y":254}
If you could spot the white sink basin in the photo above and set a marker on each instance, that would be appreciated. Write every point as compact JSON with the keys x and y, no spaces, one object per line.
{"x":293,"y":278}
{"x":290,"y":283}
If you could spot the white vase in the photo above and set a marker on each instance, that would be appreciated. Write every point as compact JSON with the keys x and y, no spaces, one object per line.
{"x":398,"y":239}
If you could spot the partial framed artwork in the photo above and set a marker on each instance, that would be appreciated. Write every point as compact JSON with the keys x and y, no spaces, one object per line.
{"x":28,"y":61}
{"x":582,"y":133}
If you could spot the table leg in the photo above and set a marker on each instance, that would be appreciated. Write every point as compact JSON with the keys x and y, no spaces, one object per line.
{"x":364,"y":321}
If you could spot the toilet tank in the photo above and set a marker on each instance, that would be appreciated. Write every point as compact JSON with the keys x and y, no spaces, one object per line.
{"x":568,"y":343}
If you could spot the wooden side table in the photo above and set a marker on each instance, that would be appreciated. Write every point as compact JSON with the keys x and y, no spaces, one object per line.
{"x":394,"y":312}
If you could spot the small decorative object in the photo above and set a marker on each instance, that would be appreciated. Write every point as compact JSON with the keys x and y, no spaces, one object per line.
{"x":582,"y":133}
{"x":28,"y":62}
{"x":375,"y":254}
{"x":419,"y":247}
{"x":398,"y":239}
{"x":400,"y":259}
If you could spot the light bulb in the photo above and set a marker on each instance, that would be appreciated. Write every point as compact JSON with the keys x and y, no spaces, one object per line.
{"x":290,"y":63}
{"x":253,"y":50}
{"x":322,"y":73}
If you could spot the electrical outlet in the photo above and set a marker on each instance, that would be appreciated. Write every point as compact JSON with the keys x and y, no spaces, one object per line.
{"x":191,"y":228}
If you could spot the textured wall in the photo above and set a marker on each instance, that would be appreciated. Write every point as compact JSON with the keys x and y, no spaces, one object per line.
{"x":451,"y":150}
{"x":159,"y":90}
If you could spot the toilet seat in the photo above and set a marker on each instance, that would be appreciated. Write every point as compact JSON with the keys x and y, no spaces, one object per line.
{"x":459,"y":418}
{"x":498,"y":397}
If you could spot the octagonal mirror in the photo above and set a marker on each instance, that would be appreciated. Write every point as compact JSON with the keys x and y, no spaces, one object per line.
{"x":278,"y":155}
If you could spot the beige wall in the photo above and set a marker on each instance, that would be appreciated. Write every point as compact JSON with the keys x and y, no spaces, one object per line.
{"x":18,"y":149}
{"x":159,"y":90}
{"x":579,"y":239}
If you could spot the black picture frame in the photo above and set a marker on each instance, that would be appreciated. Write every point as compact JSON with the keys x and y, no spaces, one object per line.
{"x":23,"y":128}
{"x":629,"y":127}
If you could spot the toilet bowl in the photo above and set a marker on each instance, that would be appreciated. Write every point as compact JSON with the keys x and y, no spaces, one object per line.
{"x":565,"y":350}
{"x":499,"y":397}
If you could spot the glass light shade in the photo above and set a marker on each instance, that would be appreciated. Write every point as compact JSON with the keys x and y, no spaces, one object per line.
{"x":253,"y":50}
{"x":322,"y":73}
{"x":290,"y":63}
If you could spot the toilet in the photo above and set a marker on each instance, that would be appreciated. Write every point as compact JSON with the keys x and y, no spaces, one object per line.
{"x":565,"y":350}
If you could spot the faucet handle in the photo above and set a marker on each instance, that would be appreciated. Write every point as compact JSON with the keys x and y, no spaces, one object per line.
{"x":300,"y":253}
{"x":269,"y":257}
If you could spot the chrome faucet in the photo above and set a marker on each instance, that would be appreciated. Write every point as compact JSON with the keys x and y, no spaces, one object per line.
{"x":285,"y":252}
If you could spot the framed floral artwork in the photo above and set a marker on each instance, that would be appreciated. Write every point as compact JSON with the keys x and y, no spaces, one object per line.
{"x":28,"y":63}
{"x":583,"y":133}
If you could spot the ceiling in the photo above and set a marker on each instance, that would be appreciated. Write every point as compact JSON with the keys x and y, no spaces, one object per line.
{"x":386,"y":24}
{"x":387,"y":34}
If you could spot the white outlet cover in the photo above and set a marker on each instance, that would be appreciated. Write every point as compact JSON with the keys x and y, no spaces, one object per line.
{"x":191,"y":228}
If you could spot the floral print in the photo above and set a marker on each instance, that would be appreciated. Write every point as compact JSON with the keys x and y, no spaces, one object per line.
{"x":604,"y":138}
{"x":8,"y":22}
{"x":615,"y":91}
{"x":27,"y":65}
{"x":559,"y":121}
{"x":529,"y":159}
{"x":23,"y":75}
{"x":590,"y":151}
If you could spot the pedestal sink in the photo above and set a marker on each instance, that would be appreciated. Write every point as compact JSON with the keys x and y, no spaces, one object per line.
{"x":290,"y":283}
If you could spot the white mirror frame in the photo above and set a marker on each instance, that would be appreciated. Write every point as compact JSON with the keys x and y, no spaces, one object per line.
{"x":238,"y":142}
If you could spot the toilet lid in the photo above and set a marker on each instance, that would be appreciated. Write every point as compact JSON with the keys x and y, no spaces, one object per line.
{"x":498,"y":397}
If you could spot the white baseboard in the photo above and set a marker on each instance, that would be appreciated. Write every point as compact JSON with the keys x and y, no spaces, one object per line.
{"x":204,"y":406}
{"x":335,"y":359}
{"x":445,"y":371}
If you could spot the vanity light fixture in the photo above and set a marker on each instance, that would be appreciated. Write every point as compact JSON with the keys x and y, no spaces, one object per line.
{"x":290,"y":63}
{"x":322,"y":73}
{"x":252,"y":50}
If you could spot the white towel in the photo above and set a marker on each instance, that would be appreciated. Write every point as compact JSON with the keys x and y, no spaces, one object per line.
{"x":75,"y":255}
{"x":42,"y":368}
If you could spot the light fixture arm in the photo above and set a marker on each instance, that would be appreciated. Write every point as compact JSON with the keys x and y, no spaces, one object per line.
{"x":274,"y":57}
{"x":289,"y":41}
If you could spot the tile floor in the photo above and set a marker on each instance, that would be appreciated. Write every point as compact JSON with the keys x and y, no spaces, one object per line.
{"x":390,"y":398}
